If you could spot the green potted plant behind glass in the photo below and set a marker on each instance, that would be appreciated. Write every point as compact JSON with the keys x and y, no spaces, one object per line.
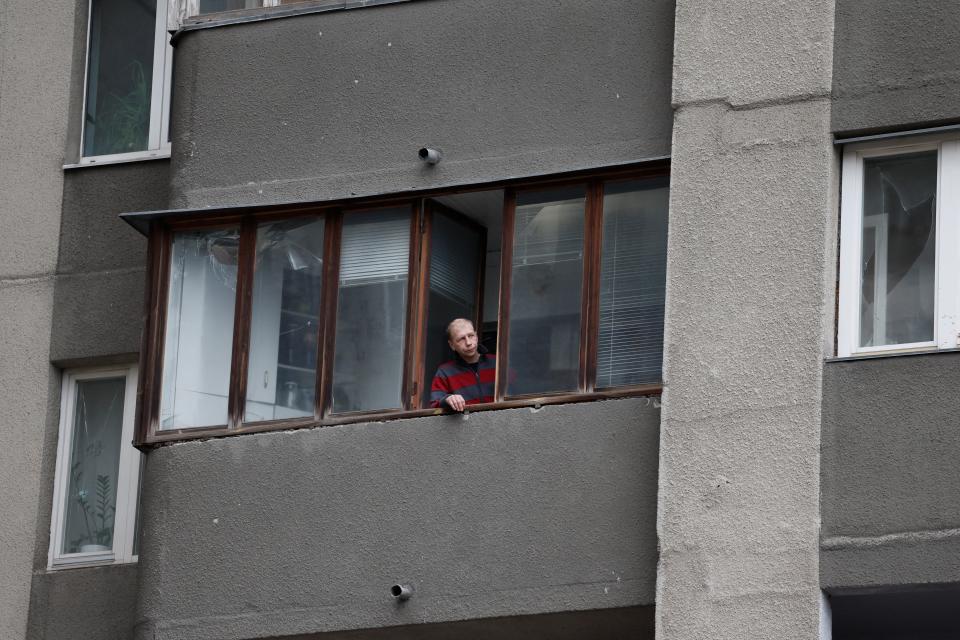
{"x":97,"y":517}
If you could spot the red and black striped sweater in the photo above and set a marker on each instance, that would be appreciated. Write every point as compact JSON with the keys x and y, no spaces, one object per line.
{"x":473,"y":382}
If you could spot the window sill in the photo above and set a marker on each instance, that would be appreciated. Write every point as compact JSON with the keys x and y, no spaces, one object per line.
{"x":91,"y":563}
{"x":168,"y":436}
{"x":120,"y":158}
{"x":881,"y":355}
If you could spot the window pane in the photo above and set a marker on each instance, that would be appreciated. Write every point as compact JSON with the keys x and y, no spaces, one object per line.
{"x":94,"y":464}
{"x":199,"y":331}
{"x":371,"y":310}
{"x":454,"y":264}
{"x":632,"y":283}
{"x":119,"y":76}
{"x":288,"y":276}
{"x":545,"y":292}
{"x":899,"y":244}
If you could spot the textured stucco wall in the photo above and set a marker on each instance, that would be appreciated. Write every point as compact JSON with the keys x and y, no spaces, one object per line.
{"x":895,"y":64}
{"x":98,"y":304}
{"x":97,"y":309}
{"x":502,"y":513}
{"x":97,"y":317}
{"x":28,"y":397}
{"x":35,"y":63}
{"x":891,"y":482}
{"x":84,"y":604}
{"x":333,"y":104}
{"x":748,"y":315}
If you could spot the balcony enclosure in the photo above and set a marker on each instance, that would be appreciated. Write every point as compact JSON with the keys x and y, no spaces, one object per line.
{"x":336,"y":313}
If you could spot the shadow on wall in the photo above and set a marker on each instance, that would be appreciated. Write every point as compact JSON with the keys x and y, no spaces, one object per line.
{"x":926,"y":612}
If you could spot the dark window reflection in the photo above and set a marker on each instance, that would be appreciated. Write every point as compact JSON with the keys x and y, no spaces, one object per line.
{"x":119,"y":76}
{"x":545,"y":292}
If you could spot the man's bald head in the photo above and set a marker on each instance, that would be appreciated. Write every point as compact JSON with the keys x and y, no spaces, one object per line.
{"x":459,"y":323}
{"x":462,"y":338}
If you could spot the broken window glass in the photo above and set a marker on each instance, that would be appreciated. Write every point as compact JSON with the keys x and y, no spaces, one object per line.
{"x":285,"y":321}
{"x":91,"y":503}
{"x":199,"y":329}
{"x":898,"y":265}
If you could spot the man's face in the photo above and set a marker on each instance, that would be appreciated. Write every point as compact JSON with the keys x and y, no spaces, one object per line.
{"x":463,"y":340}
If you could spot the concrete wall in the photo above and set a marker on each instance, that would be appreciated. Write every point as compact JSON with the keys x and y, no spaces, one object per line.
{"x":333,"y":104}
{"x":35,"y":62}
{"x":503,"y":513}
{"x":92,"y":604}
{"x":75,"y":297}
{"x":748,"y":317}
{"x":890,"y":483}
{"x":28,"y":402}
{"x":895,"y":64}
{"x":101,"y":272}
{"x":97,"y":309}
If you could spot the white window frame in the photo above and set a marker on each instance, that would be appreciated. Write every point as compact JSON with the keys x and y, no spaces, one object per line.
{"x":128,"y":476}
{"x":947,"y":260}
{"x":181,"y":11}
{"x":158,"y":144}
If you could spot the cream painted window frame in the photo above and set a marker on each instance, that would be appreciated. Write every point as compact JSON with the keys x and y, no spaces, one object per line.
{"x":128,"y":476}
{"x":947,"y":260}
{"x":158,"y":143}
{"x":181,"y":11}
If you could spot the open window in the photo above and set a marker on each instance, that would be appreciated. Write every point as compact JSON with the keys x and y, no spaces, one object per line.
{"x":272,"y":318}
{"x":457,"y":255}
{"x":127,"y":84}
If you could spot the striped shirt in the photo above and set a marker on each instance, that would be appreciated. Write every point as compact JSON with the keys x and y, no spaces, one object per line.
{"x":473,"y":382}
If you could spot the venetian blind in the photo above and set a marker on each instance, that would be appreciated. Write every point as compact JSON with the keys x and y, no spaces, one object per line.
{"x":454,"y":257}
{"x":375,"y":247}
{"x":632,"y":284}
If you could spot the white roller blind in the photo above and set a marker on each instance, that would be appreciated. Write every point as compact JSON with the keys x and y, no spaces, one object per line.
{"x":375,"y":247}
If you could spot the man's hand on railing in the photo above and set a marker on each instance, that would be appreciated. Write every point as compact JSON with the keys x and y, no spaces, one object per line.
{"x":456,"y":402}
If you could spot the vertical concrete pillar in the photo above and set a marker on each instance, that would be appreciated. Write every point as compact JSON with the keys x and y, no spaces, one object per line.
{"x":748,"y":319}
{"x":36,"y":47}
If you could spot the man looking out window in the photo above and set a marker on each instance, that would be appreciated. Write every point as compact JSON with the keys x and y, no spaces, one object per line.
{"x":469,"y":377}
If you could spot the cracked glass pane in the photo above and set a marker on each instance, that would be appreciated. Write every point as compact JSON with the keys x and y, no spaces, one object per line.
{"x":199,"y":330}
{"x":91,"y":503}
{"x":287,"y":283}
{"x":898,"y":266}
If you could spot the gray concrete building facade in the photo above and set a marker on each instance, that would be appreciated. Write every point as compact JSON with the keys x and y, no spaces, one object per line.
{"x":744,"y":428}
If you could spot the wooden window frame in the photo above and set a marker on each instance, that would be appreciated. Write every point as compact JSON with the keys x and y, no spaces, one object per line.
{"x":423,"y":289}
{"x":161,"y":233}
